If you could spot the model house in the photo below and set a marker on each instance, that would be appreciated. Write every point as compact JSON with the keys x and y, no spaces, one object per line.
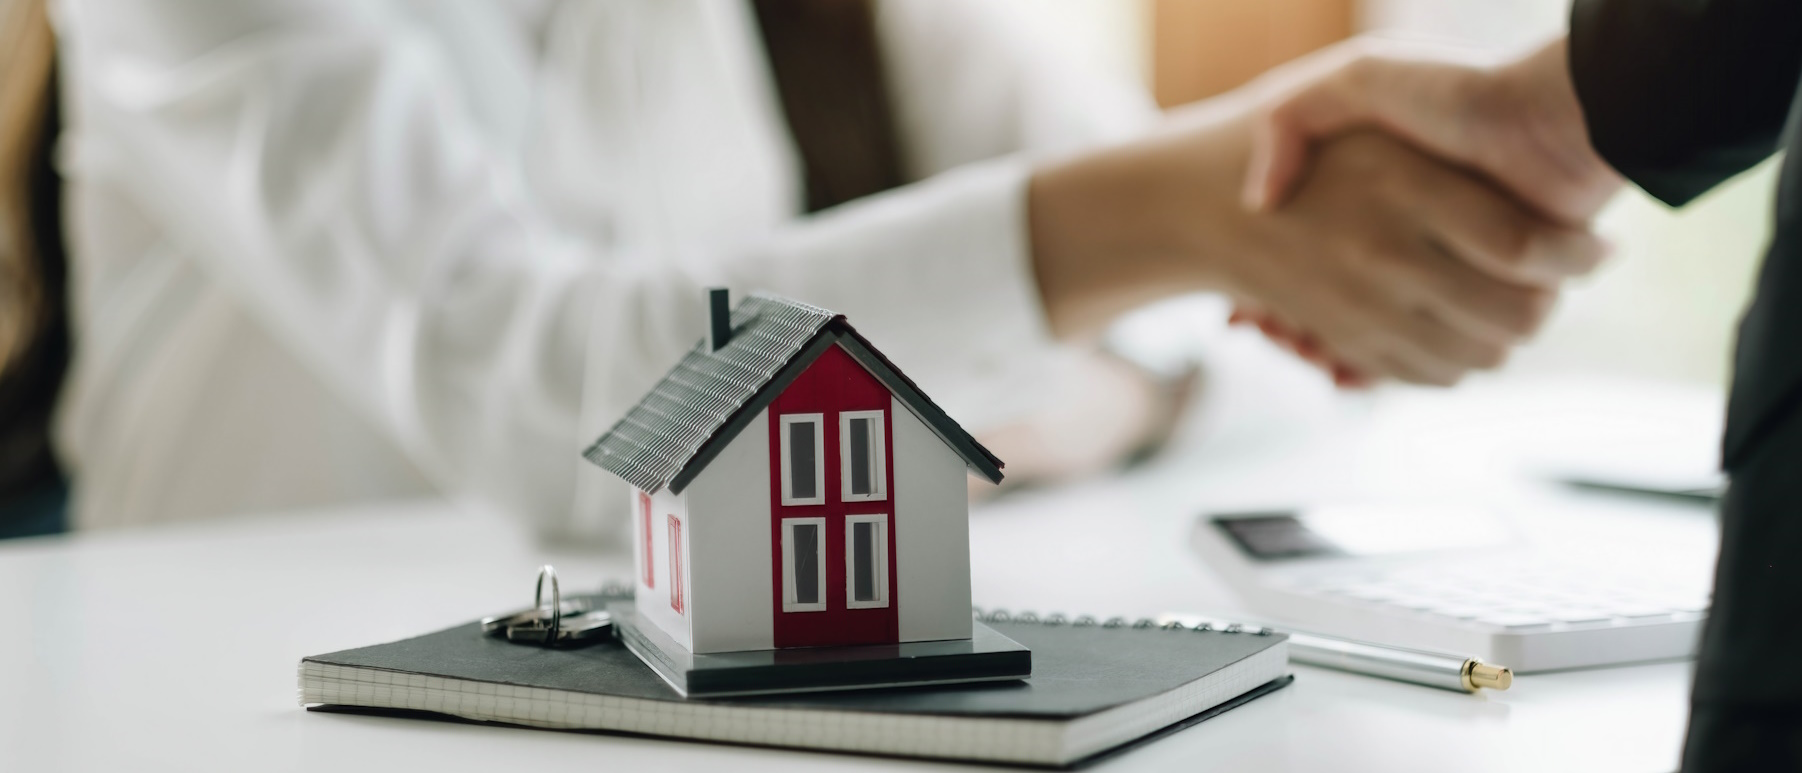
{"x":794,"y":489}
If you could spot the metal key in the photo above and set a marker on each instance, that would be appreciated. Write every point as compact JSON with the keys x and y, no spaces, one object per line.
{"x":593,"y":624}
{"x":499,"y":623}
{"x":553,"y":624}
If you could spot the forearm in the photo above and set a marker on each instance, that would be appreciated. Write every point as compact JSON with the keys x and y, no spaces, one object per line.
{"x":937,"y":272}
{"x":1537,"y":92}
{"x":1121,"y":227}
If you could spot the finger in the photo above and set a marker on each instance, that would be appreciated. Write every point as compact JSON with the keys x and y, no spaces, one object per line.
{"x":1496,"y":234}
{"x":1347,"y":377}
{"x":1309,"y":348}
{"x":1279,"y":154}
{"x":1342,"y":374}
{"x":1412,"y":363}
{"x":1541,"y":253}
{"x":1282,"y":138}
{"x":1298,"y":342}
{"x":1416,"y":347}
{"x":1444,"y":347}
{"x":1349,"y":372}
{"x":1385,"y":336}
{"x":1282,"y":333}
{"x":1472,"y":301}
{"x":1406,"y":371}
{"x":1449,"y":348}
{"x":1358,"y":349}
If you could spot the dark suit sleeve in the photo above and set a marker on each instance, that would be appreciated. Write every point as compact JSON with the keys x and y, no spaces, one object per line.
{"x":1680,"y":95}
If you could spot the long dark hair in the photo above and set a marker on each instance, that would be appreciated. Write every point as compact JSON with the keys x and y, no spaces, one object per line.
{"x":34,"y":332}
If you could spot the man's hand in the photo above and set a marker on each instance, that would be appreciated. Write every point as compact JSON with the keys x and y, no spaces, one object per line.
{"x":1520,"y":124}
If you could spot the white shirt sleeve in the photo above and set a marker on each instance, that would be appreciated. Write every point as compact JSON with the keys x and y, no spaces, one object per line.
{"x":319,"y":162}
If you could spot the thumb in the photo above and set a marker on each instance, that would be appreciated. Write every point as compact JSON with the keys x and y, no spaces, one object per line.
{"x":1282,"y":137}
{"x":1279,"y":155}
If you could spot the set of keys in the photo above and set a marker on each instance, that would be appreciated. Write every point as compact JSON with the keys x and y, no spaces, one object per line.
{"x":552,"y":625}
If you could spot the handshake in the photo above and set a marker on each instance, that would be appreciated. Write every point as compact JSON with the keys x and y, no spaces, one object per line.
{"x":1384,"y":215}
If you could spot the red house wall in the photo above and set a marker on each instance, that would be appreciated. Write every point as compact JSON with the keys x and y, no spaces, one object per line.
{"x":833,"y":383}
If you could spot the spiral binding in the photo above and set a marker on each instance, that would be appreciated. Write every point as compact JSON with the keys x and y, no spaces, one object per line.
{"x":613,"y":589}
{"x":1087,"y":621}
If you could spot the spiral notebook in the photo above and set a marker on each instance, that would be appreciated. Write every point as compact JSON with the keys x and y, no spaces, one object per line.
{"x":1096,"y":689}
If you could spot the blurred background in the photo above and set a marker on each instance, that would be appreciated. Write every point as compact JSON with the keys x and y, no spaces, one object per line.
{"x":1659,"y":315}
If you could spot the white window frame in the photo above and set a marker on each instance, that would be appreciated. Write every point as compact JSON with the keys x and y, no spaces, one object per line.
{"x":880,"y":549}
{"x":819,"y":458}
{"x":878,"y":455}
{"x":789,"y":604}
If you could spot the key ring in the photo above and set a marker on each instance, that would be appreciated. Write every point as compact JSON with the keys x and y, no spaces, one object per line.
{"x":553,"y":625}
{"x":556,"y":601}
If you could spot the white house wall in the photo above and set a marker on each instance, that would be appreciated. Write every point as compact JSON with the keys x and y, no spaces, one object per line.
{"x":654,"y":603}
{"x":932,"y":532}
{"x":731,"y":596}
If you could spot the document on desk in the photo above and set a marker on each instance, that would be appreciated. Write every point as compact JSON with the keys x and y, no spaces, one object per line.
{"x":1096,"y":690}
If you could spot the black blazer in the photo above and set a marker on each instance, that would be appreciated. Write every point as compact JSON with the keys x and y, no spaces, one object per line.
{"x":1680,"y":95}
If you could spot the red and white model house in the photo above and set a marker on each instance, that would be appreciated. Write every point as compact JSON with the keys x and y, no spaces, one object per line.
{"x":794,"y":489}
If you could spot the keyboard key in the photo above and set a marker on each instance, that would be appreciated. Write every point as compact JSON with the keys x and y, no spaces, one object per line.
{"x":1517,"y":598}
{"x":1631,"y":611}
{"x":1368,"y":592}
{"x":1514,"y":621}
{"x":1579,"y":615}
{"x":1461,"y":613}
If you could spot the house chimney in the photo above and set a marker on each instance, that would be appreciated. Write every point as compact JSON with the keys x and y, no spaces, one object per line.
{"x":721,"y":317}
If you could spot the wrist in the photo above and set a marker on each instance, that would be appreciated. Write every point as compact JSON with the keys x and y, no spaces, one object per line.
{"x":1097,"y":247}
{"x":1539,"y":95}
{"x":1122,"y":227}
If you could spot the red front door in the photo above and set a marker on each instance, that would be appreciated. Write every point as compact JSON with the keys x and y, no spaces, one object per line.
{"x":832,"y":521}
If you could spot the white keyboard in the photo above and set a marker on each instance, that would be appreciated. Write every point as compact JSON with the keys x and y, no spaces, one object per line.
{"x":1515,"y":607}
{"x":1539,"y":596}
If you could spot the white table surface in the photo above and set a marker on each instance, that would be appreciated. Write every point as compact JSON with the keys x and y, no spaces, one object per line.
{"x":176,"y":648}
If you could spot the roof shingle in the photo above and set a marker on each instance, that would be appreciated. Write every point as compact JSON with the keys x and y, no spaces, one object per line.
{"x":670,"y":435}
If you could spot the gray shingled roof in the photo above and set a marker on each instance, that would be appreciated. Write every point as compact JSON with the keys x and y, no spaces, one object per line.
{"x":684,"y":421}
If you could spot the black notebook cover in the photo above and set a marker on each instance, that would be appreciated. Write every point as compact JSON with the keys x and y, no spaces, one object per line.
{"x":1077,"y":671}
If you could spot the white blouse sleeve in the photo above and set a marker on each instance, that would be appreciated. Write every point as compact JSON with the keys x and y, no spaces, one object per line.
{"x":321,"y":166}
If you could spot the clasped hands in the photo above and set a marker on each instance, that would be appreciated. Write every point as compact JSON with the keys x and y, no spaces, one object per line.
{"x":1390,"y":217}
{"x":1518,"y":127}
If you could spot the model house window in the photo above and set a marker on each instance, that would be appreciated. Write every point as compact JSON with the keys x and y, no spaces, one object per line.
{"x":644,"y":536}
{"x":861,"y":450}
{"x":803,"y":565}
{"x":803,"y":468}
{"x":866,"y":561}
{"x":675,"y":564}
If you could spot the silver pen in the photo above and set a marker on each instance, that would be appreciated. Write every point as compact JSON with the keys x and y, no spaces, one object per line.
{"x":1433,"y":669}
